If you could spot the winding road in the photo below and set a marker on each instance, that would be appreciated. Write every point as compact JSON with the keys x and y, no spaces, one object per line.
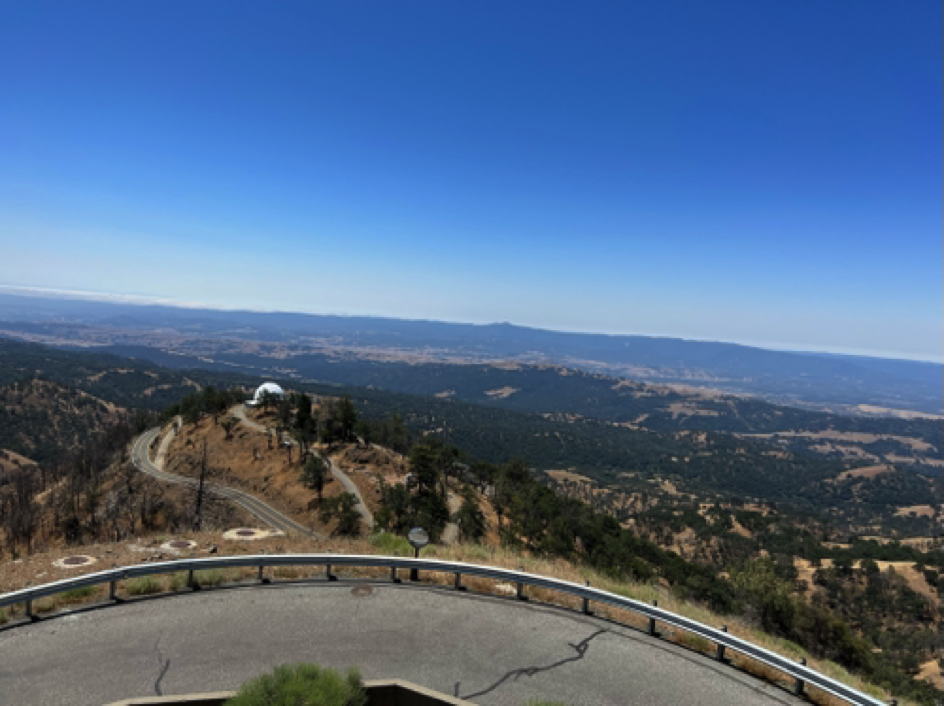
{"x":491,"y":651}
{"x":140,"y":456}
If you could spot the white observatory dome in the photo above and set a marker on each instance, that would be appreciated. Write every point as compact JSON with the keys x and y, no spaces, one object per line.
{"x":267,"y":387}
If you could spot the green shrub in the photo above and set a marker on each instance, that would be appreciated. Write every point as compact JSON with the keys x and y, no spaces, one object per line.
{"x":391,"y":544}
{"x":77,"y":595}
{"x":143,"y":586}
{"x":303,"y":685}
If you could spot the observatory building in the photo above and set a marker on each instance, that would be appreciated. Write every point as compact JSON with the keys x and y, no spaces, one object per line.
{"x":266,"y":388}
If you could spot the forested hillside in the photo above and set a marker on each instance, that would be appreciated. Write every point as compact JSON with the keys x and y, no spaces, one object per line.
{"x":40,"y":419}
{"x":712,"y":463}
{"x":123,"y":382}
{"x":913,"y":442}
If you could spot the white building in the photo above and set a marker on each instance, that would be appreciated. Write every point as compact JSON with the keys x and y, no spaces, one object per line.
{"x":266,"y":388}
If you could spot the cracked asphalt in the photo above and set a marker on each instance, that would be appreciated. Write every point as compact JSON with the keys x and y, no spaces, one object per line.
{"x":489,"y":650}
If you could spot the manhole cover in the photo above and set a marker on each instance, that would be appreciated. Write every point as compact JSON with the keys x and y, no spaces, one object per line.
{"x":361,"y":591}
{"x":181,"y":544}
{"x":246,"y":533}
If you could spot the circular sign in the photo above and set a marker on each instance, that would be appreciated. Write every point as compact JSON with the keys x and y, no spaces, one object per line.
{"x":418,"y":537}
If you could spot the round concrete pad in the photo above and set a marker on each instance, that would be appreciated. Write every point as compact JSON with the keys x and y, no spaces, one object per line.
{"x":249,"y":534}
{"x":179,"y":545}
{"x":74,"y":562}
{"x":489,"y":650}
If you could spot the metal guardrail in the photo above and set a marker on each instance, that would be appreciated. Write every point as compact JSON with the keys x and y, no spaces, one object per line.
{"x":799,"y":671}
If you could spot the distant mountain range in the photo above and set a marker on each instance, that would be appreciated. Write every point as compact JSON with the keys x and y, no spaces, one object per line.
{"x":854,"y":384}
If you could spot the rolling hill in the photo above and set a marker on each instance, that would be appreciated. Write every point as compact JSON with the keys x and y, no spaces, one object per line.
{"x":826,"y":381}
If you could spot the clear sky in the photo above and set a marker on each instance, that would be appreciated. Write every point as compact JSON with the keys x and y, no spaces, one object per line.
{"x":763,"y":172}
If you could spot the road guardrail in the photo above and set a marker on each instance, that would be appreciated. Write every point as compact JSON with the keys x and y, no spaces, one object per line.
{"x":802,"y":674}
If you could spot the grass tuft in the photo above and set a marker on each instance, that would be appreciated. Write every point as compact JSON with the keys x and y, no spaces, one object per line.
{"x":144,"y":586}
{"x":695,"y":642}
{"x":477,"y":552}
{"x":45,"y":605}
{"x":78,"y":595}
{"x":209,"y":577}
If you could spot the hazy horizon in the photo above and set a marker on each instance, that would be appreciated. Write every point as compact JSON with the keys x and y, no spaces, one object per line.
{"x":142,"y":300}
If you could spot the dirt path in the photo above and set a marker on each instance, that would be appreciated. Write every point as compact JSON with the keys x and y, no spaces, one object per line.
{"x":451,"y":533}
{"x":239,"y":411}
{"x":165,"y":443}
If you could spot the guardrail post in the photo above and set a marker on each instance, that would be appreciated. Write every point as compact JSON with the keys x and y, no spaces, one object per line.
{"x":720,"y":655}
{"x":520,"y":592}
{"x":328,"y":574}
{"x":586,"y":604}
{"x":459,"y":586}
{"x":190,"y":582}
{"x":113,"y":587}
{"x":262,"y":577}
{"x":393,"y":575}
{"x":798,"y":687}
{"x":652,"y":622}
{"x":28,"y":604}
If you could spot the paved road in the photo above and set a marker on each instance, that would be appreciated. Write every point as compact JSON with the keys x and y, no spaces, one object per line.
{"x":367,"y":516}
{"x":142,"y":461}
{"x":489,"y":650}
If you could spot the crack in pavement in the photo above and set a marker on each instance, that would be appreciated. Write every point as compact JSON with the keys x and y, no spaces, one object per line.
{"x":162,"y":663}
{"x":581,"y":649}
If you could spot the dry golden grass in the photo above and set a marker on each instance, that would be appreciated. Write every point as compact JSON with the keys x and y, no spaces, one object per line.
{"x":919,"y":510}
{"x":864,"y":472}
{"x":568,"y":475}
{"x":931,"y":672}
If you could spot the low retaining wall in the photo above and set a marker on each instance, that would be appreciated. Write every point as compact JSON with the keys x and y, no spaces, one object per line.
{"x":380,"y":692}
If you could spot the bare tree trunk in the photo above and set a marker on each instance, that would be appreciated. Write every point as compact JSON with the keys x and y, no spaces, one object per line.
{"x":198,"y":512}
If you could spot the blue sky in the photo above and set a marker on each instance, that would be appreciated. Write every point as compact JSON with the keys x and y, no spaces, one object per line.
{"x":762,"y":172}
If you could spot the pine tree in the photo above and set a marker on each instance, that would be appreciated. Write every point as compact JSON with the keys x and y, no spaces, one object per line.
{"x":314,"y":474}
